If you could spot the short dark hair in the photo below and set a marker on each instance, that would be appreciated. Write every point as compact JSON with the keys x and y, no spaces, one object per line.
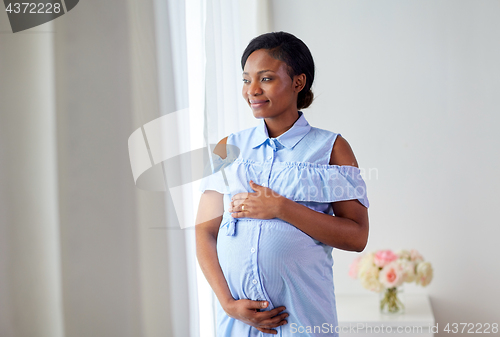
{"x":288,"y":48}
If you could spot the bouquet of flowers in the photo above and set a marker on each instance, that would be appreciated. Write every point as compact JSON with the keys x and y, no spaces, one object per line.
{"x":384,"y":271}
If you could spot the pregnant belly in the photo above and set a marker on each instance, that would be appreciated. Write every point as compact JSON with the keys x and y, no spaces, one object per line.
{"x":273,"y":260}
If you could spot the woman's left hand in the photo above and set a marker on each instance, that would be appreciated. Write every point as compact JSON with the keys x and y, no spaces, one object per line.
{"x":264,"y":203}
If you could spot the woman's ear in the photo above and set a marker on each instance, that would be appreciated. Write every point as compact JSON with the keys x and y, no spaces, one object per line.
{"x":299,"y":82}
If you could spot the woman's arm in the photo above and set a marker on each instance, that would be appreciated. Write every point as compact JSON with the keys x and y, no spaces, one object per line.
{"x":348,"y":229}
{"x":208,"y":221}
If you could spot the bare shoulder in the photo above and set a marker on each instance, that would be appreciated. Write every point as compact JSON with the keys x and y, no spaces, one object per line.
{"x":220,"y":149}
{"x":342,"y":153}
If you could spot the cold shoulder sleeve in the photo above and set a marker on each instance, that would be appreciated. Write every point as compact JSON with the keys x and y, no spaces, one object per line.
{"x":303,"y":181}
{"x":214,"y":179}
{"x":324,"y":183}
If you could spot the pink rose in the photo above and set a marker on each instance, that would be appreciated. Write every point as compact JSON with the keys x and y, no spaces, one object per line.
{"x":384,"y":257}
{"x":354,"y":267}
{"x":391,"y":275}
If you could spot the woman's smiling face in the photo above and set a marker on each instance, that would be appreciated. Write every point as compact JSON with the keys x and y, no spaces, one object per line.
{"x":267,"y":86}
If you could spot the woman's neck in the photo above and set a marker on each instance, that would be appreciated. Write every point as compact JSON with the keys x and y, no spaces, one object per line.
{"x":277,"y":126}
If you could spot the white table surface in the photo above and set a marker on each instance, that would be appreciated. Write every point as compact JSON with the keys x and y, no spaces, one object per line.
{"x":362,"y":310}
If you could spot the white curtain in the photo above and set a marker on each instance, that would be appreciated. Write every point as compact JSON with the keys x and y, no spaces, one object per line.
{"x":30,"y":252}
{"x":83,"y":251}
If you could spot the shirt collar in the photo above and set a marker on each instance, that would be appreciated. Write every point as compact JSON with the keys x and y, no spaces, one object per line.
{"x":289,"y":138}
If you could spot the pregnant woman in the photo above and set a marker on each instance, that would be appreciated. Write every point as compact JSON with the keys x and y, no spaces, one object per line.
{"x":282,"y":196}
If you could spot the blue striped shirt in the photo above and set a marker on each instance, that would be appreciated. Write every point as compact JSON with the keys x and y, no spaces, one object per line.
{"x":272,"y":259}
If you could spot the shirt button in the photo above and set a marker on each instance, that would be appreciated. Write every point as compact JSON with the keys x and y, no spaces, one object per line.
{"x":254,"y":281}
{"x":252,"y":250}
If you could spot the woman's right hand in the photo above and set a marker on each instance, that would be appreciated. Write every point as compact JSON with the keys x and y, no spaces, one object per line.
{"x":247,"y":311}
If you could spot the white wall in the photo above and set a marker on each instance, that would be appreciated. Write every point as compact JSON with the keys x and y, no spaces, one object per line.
{"x":413,"y":86}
